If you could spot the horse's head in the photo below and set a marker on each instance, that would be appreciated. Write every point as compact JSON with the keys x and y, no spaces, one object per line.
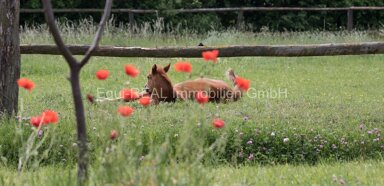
{"x":158,"y":83}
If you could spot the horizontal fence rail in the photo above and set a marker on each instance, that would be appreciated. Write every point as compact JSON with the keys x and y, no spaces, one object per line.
{"x":240,"y":11}
{"x":229,"y":51}
{"x":90,"y":10}
{"x":197,"y":10}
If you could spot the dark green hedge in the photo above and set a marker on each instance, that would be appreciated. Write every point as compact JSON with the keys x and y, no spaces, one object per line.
{"x":293,"y":21}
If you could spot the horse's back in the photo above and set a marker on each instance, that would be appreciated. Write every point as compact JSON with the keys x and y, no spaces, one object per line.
{"x":201,"y":84}
{"x":217,"y":89}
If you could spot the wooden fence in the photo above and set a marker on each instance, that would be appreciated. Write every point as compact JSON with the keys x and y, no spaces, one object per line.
{"x":229,"y":51}
{"x":240,"y":11}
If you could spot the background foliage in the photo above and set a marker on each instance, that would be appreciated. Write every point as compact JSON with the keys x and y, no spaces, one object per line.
{"x":276,"y":21}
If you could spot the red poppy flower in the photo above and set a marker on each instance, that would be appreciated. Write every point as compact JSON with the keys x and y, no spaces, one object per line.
{"x":145,"y":101}
{"x":49,"y":116}
{"x":129,"y":94}
{"x":182,"y":66}
{"x":102,"y":74}
{"x":90,"y":98}
{"x":26,"y":83}
{"x":114,"y":134}
{"x":201,"y":97}
{"x":125,"y":110}
{"x":131,"y":70}
{"x":218,"y":123}
{"x":35,"y":121}
{"x":242,"y":83}
{"x":210,"y":55}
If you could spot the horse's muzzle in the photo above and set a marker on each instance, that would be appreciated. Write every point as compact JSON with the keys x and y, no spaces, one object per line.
{"x":146,"y":89}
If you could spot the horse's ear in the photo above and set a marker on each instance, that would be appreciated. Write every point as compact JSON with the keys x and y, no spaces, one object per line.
{"x":154,"y":69}
{"x":166,"y":68}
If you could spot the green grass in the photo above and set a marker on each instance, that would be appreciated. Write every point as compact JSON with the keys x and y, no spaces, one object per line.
{"x":352,"y":173}
{"x":327,"y":99}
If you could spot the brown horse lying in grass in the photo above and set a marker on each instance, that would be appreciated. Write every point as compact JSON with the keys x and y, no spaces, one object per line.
{"x":160,"y":87}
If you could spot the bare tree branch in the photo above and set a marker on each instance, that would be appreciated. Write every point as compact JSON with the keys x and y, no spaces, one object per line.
{"x":75,"y":68}
{"x":96,"y":40}
{"x":49,"y":17}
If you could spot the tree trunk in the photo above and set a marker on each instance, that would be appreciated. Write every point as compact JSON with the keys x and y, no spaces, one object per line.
{"x":82,"y":162}
{"x":9,"y":55}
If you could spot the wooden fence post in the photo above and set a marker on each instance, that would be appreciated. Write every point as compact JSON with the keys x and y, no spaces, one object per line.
{"x":131,"y":19}
{"x":157,"y":14}
{"x":350,"y":19}
{"x":240,"y":20}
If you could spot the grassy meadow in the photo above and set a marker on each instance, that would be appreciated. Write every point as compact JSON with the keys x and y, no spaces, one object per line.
{"x":306,"y":120}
